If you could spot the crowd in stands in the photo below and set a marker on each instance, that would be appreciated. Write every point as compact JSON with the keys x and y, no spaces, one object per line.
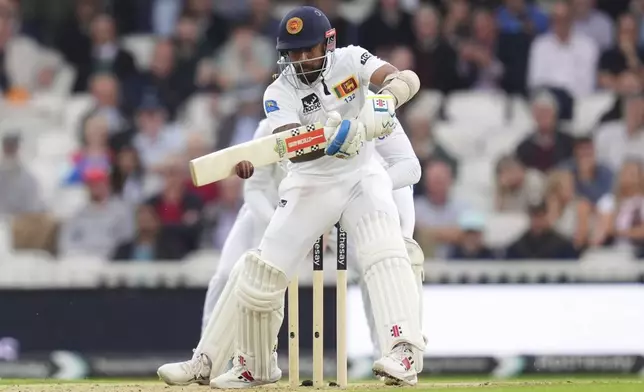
{"x":576,"y":191}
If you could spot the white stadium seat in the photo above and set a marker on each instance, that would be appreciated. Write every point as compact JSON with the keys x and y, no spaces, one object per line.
{"x":77,"y":106}
{"x":142,"y":48}
{"x":588,"y":110}
{"x":477,"y":107}
{"x":463,"y":140}
{"x":501,"y":229}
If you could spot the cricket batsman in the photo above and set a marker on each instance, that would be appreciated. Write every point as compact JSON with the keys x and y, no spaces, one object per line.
{"x":344,"y":183}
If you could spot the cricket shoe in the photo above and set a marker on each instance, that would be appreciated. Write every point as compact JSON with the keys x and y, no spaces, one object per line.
{"x":241,"y":376}
{"x":397,"y":367}
{"x":196,"y":370}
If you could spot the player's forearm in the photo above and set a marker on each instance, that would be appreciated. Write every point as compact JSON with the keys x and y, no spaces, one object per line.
{"x":402,"y":85}
{"x":404,"y":173}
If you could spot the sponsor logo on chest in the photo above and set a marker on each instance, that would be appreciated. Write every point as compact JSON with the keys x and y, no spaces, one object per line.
{"x":311,"y":104}
{"x":346,"y":87}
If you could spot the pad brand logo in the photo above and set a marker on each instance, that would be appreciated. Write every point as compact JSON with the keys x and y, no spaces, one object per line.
{"x":311,"y":104}
{"x":345,"y":87}
{"x":365,"y":57}
{"x":380,"y":105}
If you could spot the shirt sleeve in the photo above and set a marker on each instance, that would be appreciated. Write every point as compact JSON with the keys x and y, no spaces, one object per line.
{"x":366,"y":62}
{"x":402,"y":164}
{"x":280,"y":107}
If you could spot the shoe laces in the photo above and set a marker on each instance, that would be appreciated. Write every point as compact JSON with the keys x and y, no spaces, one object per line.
{"x":196,"y":365}
{"x":402,"y":353}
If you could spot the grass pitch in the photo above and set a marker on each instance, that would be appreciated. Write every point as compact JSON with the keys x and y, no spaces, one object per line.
{"x":427,"y":385}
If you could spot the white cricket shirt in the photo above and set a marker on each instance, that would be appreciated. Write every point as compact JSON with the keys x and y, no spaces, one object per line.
{"x":347,"y":83}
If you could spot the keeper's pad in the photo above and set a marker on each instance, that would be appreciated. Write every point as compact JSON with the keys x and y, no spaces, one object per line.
{"x":402,"y":86}
{"x":417,"y":258}
{"x":390,"y":280}
{"x":260,"y":301}
{"x":218,"y":337}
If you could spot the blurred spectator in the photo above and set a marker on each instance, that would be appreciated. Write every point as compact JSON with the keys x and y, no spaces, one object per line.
{"x":628,"y":84}
{"x":346,"y":32}
{"x":387,"y":26}
{"x":593,"y":22}
{"x":636,"y":9}
{"x":457,"y":21}
{"x":178,"y":208}
{"x":519,"y":16}
{"x":73,"y":38}
{"x":568,"y":213}
{"x":401,"y":57}
{"x":262,"y":19}
{"x":156,"y":139}
{"x":436,"y":60}
{"x":246,"y":60}
{"x":128,"y":179}
{"x":212,"y":27}
{"x":20,"y":192}
{"x":100,"y":225}
{"x":471,"y":246}
{"x":437,"y":212}
{"x":621,"y":213}
{"x":592,"y":179}
{"x":95,"y":153}
{"x":479,"y":65}
{"x":625,"y":55}
{"x":540,"y":241}
{"x":197,"y":146}
{"x":189,"y":51}
{"x":516,"y":187}
{"x":25,"y":65}
{"x":105,"y":55}
{"x":221,"y":216}
{"x":106,"y":92}
{"x":163,"y":78}
{"x":150,"y":242}
{"x":563,"y":58}
{"x":240,"y":126}
{"x":547,"y":146}
{"x":164,"y":15}
{"x":616,"y":141}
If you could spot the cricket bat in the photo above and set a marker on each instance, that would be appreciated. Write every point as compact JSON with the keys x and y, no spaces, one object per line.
{"x":260,"y":152}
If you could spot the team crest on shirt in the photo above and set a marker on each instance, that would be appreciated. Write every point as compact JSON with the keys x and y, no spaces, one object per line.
{"x":311,"y":104}
{"x":345,"y":87}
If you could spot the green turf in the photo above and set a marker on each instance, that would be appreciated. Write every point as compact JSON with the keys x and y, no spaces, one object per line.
{"x":542,"y":384}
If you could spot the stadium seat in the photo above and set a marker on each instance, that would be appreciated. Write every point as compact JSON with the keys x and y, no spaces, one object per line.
{"x":477,"y":107}
{"x":475,"y":184}
{"x":463,"y":140}
{"x":55,"y":146}
{"x":501,"y":229}
{"x":142,"y":48}
{"x":588,"y":110}
{"x":5,"y":237}
{"x":75,"y":108}
{"x":68,"y":201}
{"x":504,"y":140}
{"x":425,"y":103}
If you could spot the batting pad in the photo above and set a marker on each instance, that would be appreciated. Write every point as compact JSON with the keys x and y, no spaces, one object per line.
{"x":417,"y":258}
{"x":390,"y":281}
{"x":218,"y":337}
{"x":260,"y":301}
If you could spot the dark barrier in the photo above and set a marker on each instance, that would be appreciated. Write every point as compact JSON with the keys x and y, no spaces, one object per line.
{"x":126,"y":320}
